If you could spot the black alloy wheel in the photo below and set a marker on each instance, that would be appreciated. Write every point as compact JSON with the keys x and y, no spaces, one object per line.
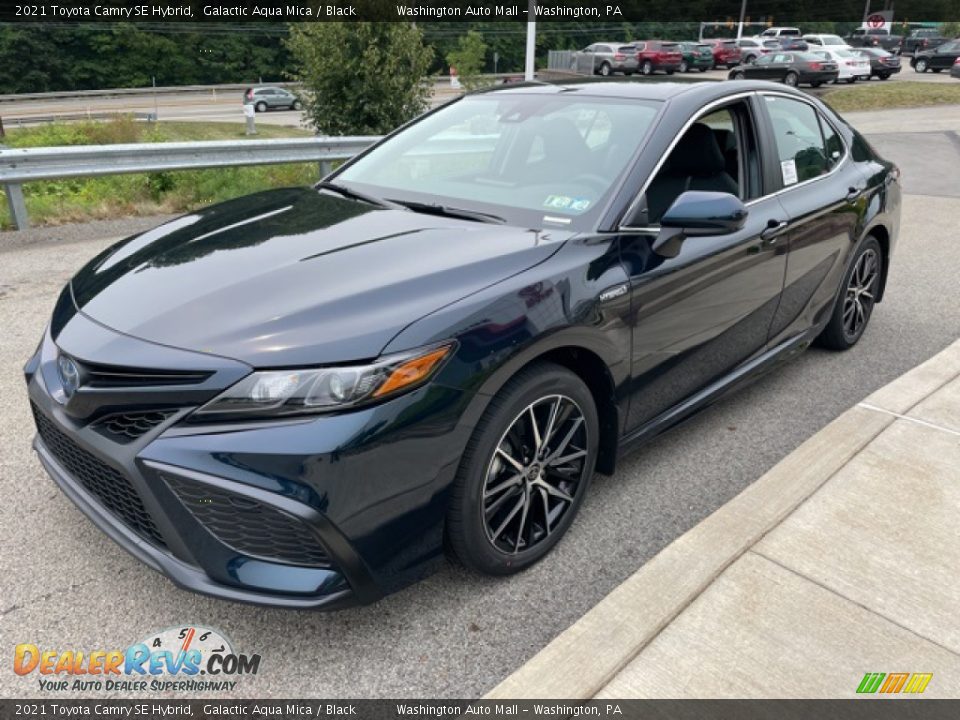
{"x":859,"y":296}
{"x":525,"y":471}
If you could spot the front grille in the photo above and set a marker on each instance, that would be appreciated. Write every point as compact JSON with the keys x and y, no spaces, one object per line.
{"x":109,"y":486}
{"x":111,"y":376}
{"x":127,"y":427}
{"x":250,"y":527}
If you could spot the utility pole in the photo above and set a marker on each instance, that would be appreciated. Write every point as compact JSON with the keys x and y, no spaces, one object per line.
{"x":743,"y":15}
{"x":531,"y":41}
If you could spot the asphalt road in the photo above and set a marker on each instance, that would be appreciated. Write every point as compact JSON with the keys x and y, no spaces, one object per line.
{"x":65,"y":585}
{"x":227,"y":107}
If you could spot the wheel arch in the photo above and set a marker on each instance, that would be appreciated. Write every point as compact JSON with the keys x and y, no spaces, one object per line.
{"x":880,"y":233}
{"x":600,"y":371}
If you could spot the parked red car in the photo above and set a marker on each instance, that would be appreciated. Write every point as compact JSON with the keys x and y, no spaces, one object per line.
{"x":653,"y":55}
{"x":726,"y":53}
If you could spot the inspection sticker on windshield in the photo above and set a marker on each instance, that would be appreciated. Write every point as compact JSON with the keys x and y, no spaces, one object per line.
{"x":789,"y":170}
{"x":563,"y":202}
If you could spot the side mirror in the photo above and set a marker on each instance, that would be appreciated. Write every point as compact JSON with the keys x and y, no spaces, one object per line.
{"x":697,"y":213}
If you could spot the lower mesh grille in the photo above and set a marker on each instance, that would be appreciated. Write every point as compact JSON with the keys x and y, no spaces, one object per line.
{"x":127,"y":427}
{"x":109,"y":486}
{"x":250,"y":527}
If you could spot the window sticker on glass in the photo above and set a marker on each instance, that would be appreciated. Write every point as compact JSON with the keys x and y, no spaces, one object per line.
{"x":789,"y":170}
{"x":579,"y":205}
{"x":557,"y":202}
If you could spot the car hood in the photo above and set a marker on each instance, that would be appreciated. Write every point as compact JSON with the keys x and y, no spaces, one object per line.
{"x":294,"y":276}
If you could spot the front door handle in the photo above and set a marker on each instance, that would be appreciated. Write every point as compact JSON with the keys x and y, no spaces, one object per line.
{"x":774,"y":228}
{"x":853,"y":193}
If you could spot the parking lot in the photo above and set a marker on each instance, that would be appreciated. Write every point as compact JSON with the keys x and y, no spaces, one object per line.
{"x":456,"y":635}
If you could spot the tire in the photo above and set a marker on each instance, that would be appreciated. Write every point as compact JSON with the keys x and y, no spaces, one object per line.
{"x":702,"y":69}
{"x":937,"y":70}
{"x":791,"y":79}
{"x":840,"y":333}
{"x":297,"y":105}
{"x":260,"y":107}
{"x":738,"y":76}
{"x":647,"y":67}
{"x":749,"y":59}
{"x":605,"y":70}
{"x":815,"y":84}
{"x":670,"y":72}
{"x":684,"y":67}
{"x":920,"y":66}
{"x":884,"y":76}
{"x":851,"y":80}
{"x":530,"y":527}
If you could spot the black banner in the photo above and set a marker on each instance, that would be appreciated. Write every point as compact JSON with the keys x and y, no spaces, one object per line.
{"x":781,"y":12}
{"x":854,"y":709}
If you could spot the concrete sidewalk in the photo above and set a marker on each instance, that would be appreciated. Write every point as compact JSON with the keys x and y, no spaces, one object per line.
{"x":842,"y":560}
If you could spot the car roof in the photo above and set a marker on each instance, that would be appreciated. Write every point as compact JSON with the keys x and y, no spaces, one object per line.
{"x":703,"y":90}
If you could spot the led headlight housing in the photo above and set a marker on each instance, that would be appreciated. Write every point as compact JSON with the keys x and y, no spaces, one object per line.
{"x":274,"y":393}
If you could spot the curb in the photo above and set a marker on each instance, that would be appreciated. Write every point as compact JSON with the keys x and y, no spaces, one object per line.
{"x":579,"y":662}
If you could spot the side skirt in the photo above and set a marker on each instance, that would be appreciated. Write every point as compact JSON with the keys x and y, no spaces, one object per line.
{"x":740,"y":376}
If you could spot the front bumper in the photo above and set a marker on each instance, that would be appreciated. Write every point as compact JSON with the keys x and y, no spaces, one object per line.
{"x":321,"y":512}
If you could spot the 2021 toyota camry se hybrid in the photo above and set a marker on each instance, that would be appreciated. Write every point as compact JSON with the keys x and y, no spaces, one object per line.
{"x":304,"y":396}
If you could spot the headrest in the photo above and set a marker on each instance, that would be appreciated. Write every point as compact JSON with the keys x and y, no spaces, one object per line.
{"x":697,"y":153}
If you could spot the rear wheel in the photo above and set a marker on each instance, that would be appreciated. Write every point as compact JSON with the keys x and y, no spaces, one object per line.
{"x":670,"y":72}
{"x":816,"y":84}
{"x":703,"y":69}
{"x":920,"y":66}
{"x":647,"y":67}
{"x":525,"y":471}
{"x":297,"y":105}
{"x":937,"y":70}
{"x":851,"y":80}
{"x":884,"y":76}
{"x":791,"y":79}
{"x":684,"y":67}
{"x":858,"y":295}
{"x":738,"y":76}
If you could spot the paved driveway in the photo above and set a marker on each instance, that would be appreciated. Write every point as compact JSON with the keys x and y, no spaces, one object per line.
{"x":64,"y":585}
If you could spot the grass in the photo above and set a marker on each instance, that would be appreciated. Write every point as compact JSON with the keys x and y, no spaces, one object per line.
{"x":55,"y":202}
{"x":877,"y":95}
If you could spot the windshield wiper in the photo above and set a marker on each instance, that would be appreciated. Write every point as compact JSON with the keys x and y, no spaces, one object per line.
{"x":448,"y":211}
{"x":355,"y":194}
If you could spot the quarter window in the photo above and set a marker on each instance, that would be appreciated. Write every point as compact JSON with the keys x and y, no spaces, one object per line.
{"x":800,"y":144}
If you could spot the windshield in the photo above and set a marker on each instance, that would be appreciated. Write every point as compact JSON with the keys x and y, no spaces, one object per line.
{"x":833,"y":40}
{"x":534,"y":160}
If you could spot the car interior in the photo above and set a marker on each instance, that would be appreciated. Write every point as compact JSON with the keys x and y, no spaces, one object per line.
{"x":714,"y":155}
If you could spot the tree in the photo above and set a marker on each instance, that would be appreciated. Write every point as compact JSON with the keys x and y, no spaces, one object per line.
{"x":469,"y":58}
{"x":360,"y":78}
{"x":950,"y":29}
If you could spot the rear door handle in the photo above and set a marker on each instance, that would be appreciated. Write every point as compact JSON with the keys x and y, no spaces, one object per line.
{"x":774,"y":228}
{"x":853,"y":193}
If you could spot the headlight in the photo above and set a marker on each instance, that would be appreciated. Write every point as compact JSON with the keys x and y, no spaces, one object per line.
{"x":297,"y":392}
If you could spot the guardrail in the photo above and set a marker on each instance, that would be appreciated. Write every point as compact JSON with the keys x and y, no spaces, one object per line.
{"x":18,"y":166}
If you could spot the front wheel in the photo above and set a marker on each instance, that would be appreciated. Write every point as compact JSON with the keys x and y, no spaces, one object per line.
{"x":260,"y":107}
{"x":858,"y":295}
{"x":297,"y":105}
{"x":525,"y":471}
{"x":605,"y":70}
{"x":815,"y":84}
{"x":684,"y":67}
{"x":937,"y":70}
{"x":921,"y":66}
{"x":884,"y":76}
{"x":738,"y":76}
{"x":647,"y":67}
{"x":791,"y":79}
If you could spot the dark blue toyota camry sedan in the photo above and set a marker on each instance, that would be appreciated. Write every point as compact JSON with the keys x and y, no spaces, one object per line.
{"x":304,"y":397}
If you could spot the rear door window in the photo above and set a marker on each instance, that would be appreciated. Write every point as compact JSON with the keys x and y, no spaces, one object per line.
{"x":800,"y":145}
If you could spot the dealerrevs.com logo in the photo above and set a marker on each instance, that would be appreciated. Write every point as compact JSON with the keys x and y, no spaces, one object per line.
{"x":189,"y":658}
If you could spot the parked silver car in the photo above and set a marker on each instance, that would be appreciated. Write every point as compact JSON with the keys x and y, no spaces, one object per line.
{"x":606,"y":58}
{"x":270,"y":98}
